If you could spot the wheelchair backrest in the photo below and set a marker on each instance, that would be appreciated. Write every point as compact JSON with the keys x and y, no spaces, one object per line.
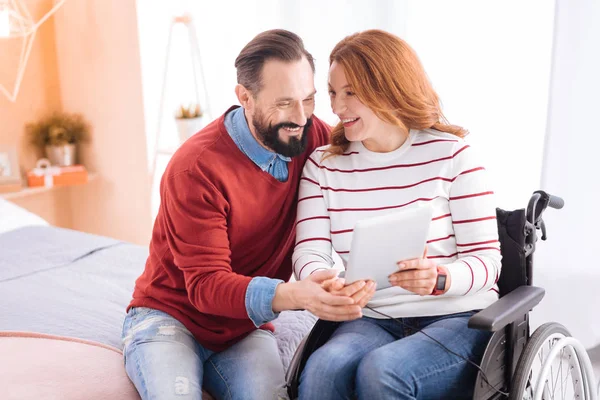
{"x":511,"y":232}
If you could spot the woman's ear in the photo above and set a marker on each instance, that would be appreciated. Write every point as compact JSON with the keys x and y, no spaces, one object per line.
{"x":244,"y":97}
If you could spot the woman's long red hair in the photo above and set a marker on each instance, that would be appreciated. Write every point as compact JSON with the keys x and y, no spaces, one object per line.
{"x":387,"y":76}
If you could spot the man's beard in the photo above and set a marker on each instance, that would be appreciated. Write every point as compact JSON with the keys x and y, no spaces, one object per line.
{"x":269,"y":136}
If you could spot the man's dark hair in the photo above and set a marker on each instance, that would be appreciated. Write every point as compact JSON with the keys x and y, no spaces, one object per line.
{"x":277,"y":44}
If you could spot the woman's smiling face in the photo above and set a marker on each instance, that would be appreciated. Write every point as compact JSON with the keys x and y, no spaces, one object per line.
{"x":360,"y":122}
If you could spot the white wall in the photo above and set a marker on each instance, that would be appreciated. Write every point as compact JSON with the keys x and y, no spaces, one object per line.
{"x":223,"y":29}
{"x":490,"y":62}
{"x":567,"y":264}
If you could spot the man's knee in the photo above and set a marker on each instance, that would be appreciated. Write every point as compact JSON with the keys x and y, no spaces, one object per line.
{"x":160,"y":357}
{"x":154,"y":383}
{"x":249,"y":370}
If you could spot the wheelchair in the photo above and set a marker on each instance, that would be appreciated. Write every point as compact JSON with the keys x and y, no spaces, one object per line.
{"x":549,"y":364}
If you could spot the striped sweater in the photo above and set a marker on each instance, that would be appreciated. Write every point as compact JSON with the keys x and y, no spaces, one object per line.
{"x":430,"y":167}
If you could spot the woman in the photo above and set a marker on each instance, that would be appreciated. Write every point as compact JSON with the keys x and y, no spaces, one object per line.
{"x":394,"y":150}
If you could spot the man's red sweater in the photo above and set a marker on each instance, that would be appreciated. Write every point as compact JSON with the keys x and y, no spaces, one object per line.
{"x":221,"y":222}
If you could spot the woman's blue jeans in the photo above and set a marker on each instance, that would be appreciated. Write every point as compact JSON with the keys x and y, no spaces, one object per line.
{"x":380,"y":359}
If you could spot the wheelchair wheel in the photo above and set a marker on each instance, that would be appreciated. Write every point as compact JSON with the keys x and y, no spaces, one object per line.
{"x":552,"y":366}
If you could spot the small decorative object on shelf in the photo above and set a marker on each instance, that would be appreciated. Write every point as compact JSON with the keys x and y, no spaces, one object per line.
{"x":189,"y":121}
{"x":58,"y":136}
{"x":46,"y":175}
{"x":10,"y":175}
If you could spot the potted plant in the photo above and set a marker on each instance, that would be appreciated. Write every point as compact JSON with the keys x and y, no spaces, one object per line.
{"x":58,"y":136}
{"x":189,"y":121}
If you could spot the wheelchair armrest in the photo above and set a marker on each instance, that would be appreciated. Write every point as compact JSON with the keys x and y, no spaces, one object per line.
{"x":507,"y":309}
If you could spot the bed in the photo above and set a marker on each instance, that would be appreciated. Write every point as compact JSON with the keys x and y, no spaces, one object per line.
{"x":63,"y":295}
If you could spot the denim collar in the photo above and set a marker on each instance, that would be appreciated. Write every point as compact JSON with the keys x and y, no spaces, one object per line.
{"x":237,"y":127}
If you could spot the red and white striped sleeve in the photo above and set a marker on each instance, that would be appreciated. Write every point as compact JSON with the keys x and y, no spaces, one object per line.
{"x":313,"y":238}
{"x":473,"y":212}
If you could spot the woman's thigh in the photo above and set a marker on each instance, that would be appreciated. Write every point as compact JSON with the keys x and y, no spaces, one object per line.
{"x":416,"y":367}
{"x":330,"y":371}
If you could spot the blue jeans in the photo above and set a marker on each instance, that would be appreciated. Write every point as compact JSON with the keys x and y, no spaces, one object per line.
{"x":379,"y":359}
{"x":164,"y":361}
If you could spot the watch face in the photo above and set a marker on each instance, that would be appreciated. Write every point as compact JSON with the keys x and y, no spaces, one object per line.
{"x":441,"y":282}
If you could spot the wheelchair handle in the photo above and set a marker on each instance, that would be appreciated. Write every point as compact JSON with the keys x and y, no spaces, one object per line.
{"x":555,"y":202}
{"x":538,"y":203}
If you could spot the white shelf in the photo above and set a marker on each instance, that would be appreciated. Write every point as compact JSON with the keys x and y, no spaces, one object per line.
{"x":28,"y":191}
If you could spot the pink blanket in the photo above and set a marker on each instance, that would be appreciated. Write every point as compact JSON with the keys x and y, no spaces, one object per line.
{"x":40,"y":366}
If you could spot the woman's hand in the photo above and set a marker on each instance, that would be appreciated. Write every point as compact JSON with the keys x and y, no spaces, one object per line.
{"x":418,"y":275}
{"x":360,"y":291}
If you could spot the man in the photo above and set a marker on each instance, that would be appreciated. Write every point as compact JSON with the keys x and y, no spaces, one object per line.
{"x":223,"y":239}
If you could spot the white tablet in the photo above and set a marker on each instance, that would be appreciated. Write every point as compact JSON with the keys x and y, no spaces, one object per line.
{"x":379,"y":243}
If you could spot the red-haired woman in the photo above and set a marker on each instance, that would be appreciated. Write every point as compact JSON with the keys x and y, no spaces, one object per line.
{"x":392,"y":150}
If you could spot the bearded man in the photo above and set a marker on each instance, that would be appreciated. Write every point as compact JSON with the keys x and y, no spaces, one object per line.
{"x":220,"y":254}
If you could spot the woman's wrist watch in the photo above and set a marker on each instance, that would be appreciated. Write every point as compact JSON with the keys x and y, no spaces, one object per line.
{"x":440,"y":283}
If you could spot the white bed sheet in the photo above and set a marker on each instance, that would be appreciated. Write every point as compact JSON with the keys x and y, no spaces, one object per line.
{"x":14,"y":217}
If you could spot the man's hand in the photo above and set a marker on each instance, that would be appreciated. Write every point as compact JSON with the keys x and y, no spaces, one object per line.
{"x":309,"y":294}
{"x":418,"y":275}
{"x":360,"y":291}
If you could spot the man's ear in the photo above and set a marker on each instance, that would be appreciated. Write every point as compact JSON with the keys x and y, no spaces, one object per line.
{"x":244,"y":97}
